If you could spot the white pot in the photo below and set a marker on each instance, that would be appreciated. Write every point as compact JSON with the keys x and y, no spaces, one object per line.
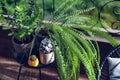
{"x":47,"y":58}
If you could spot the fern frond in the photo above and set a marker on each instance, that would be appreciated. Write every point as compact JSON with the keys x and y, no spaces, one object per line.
{"x":85,"y":20}
{"x":67,"y":4}
{"x":91,"y":53}
{"x":78,"y":12}
{"x":100,"y":33}
{"x":61,"y":64}
{"x":78,"y":48}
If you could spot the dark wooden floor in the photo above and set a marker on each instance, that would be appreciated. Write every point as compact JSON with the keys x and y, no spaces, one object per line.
{"x":9,"y":67}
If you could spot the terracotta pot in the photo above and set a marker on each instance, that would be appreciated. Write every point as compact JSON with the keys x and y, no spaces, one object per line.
{"x":47,"y":58}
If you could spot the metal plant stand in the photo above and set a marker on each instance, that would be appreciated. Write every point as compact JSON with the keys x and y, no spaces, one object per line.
{"x":39,"y":69}
{"x":20,"y":69}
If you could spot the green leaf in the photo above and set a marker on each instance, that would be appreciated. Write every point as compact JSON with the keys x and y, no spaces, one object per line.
{"x":10,"y":34}
{"x":1,"y":18}
{"x":4,"y":27}
{"x":21,"y":34}
{"x":19,"y":8}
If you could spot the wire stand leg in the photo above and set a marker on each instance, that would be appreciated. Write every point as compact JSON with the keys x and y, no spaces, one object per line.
{"x":40,"y":74}
{"x":20,"y":68}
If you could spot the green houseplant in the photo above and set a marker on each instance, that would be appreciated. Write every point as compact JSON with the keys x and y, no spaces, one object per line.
{"x":21,"y":22}
{"x":68,"y":29}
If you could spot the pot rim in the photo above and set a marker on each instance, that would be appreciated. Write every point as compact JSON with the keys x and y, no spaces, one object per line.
{"x":13,"y":41}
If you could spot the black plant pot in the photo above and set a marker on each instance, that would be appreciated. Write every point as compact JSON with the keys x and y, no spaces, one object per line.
{"x":39,"y":38}
{"x":21,"y":50}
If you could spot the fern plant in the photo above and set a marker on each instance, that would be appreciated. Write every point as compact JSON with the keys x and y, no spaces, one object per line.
{"x":69,"y":26}
{"x":68,"y":34}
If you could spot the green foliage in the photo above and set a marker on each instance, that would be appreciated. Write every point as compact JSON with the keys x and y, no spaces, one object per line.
{"x":61,"y":64}
{"x":69,"y":31}
{"x":24,"y":20}
{"x":8,"y":6}
{"x":110,"y":12}
{"x":74,"y":49}
{"x":69,"y":25}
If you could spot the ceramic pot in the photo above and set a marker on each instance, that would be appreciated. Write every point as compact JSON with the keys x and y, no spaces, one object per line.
{"x":47,"y":58}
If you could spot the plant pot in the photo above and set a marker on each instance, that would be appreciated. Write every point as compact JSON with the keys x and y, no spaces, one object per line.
{"x":46,"y":51}
{"x":21,"y":50}
{"x":47,"y":58}
{"x":40,"y":36}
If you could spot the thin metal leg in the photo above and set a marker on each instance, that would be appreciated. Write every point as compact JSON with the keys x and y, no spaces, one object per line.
{"x":20,"y":68}
{"x":40,"y":74}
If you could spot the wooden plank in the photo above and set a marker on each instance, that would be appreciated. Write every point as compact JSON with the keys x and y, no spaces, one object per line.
{"x":9,"y":71}
{"x":5,"y":77}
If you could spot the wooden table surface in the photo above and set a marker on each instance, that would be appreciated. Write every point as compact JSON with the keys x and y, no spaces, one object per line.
{"x":9,"y":69}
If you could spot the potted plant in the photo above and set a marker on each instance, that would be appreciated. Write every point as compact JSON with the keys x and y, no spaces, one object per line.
{"x":44,"y":46}
{"x":21,"y":25}
{"x":69,"y":29}
{"x":68,"y":32}
{"x":46,"y":51}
